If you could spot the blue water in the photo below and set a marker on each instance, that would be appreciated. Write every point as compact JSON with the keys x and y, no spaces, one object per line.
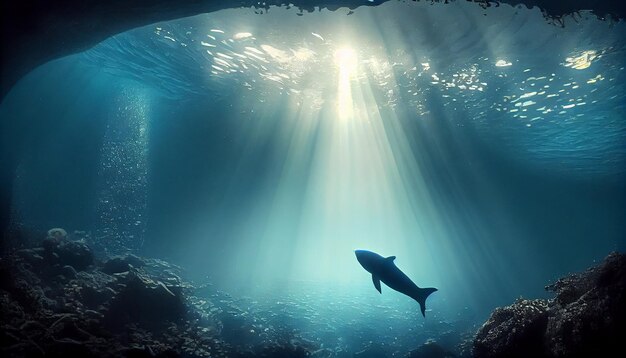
{"x":485,"y":148}
{"x":541,"y":88}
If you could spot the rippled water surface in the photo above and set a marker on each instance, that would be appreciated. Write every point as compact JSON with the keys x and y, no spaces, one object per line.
{"x":552,"y":92}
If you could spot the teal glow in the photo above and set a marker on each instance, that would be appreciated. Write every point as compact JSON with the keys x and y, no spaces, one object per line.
{"x":485,"y":152}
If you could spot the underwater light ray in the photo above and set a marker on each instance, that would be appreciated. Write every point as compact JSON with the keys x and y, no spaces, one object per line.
{"x":484,"y":184}
{"x":332,"y":219}
{"x":260,"y":138}
{"x":353,"y":198}
{"x":469,"y":251}
{"x":271,"y":244}
{"x":440,"y":244}
{"x":362,"y":153}
{"x":347,"y":62}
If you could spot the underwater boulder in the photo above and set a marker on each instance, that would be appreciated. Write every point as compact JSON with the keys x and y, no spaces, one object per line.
{"x":586,"y":318}
{"x":92,"y":288}
{"x":68,"y":271}
{"x":67,"y":347}
{"x":57,"y":249}
{"x":143,"y":300}
{"x":119,"y":264}
{"x":590,"y":311}
{"x":133,"y":314}
{"x":27,"y":290}
{"x":57,"y":233}
{"x":513,"y":331}
{"x":32,"y":256}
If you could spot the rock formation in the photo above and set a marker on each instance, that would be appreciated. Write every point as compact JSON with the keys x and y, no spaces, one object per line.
{"x":587,"y":318}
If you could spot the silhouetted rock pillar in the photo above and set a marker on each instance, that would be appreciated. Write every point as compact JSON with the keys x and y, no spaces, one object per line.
{"x":8,"y":167}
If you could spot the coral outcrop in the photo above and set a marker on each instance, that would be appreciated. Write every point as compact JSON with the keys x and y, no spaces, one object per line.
{"x":65,"y":297}
{"x":57,"y":300}
{"x":587,"y":318}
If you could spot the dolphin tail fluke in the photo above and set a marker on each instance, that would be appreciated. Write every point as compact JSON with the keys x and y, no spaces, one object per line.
{"x":420,"y":296}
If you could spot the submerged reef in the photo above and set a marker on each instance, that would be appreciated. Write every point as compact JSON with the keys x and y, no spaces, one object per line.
{"x":58,"y":299}
{"x":62,"y":296}
{"x":587,"y":318}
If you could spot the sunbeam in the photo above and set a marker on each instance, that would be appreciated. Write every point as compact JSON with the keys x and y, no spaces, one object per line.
{"x":347,"y":63}
{"x":244,"y":157}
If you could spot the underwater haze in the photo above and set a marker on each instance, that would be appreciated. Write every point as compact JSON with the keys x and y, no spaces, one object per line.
{"x":484,"y":148}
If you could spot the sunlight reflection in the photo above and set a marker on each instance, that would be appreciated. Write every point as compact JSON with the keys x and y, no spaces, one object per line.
{"x":347,"y":62}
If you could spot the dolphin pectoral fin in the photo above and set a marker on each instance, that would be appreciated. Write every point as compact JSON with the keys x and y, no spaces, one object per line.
{"x":376,"y":281}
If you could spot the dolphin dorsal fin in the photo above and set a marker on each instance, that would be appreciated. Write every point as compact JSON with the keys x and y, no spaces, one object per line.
{"x":376,"y":281}
{"x":390,"y":258}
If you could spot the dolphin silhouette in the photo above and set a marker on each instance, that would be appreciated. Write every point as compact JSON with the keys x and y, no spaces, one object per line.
{"x":385,"y":270}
